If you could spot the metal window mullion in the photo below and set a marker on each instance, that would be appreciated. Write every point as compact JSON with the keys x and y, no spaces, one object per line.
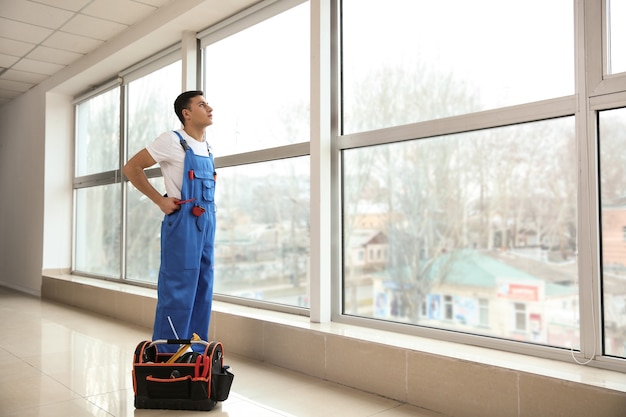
{"x":588,"y":72}
{"x":123,"y":184}
{"x":93,"y":180}
{"x":74,"y":191}
{"x":336,"y":236}
{"x":506,"y":116}
{"x":264,"y":155}
{"x":320,"y":269}
{"x":73,"y":238}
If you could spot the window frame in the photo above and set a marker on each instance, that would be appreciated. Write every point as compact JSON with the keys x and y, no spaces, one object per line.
{"x":594,"y":90}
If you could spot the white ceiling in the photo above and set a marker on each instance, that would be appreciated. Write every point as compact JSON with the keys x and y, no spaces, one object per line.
{"x":39,"y":38}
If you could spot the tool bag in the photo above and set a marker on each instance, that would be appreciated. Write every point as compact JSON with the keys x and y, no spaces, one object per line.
{"x":194,"y":381}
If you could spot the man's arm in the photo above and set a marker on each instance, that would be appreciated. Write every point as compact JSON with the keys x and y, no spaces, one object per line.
{"x":134,"y":171}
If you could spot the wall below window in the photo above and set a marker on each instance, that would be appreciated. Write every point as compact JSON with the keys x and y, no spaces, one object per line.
{"x":451,"y":379}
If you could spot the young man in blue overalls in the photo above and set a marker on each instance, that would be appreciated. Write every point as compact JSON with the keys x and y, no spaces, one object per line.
{"x":185,"y":285}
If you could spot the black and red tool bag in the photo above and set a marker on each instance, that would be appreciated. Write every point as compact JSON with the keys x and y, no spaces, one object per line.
{"x":193,"y":381}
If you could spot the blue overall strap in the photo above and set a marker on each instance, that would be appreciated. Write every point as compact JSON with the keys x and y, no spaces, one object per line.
{"x":183,"y":142}
{"x":186,"y":147}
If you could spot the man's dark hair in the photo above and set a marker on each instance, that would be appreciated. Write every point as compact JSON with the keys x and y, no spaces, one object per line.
{"x":182,"y":102}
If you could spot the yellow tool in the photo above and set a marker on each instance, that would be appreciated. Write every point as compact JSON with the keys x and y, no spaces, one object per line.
{"x":181,"y":351}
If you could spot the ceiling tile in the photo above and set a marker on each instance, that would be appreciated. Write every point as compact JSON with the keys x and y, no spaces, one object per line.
{"x":15,"y":48}
{"x":121,"y":11}
{"x":53,"y":55}
{"x":7,"y":60}
{"x":73,"y":5}
{"x":11,"y":29}
{"x":38,"y":67}
{"x":73,"y":43}
{"x":14,"y":85}
{"x":24,"y":76}
{"x":93,"y":27}
{"x":34,"y":13}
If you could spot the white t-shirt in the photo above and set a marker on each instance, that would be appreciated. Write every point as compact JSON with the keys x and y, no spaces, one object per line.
{"x":170,"y":155}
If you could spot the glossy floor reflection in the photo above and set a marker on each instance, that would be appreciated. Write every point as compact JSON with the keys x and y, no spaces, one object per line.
{"x":60,"y":361}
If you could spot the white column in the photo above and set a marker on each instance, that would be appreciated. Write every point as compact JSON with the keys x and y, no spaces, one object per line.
{"x":320,"y":265}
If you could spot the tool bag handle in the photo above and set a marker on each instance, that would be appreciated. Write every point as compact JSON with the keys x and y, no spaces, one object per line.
{"x":179,"y":342}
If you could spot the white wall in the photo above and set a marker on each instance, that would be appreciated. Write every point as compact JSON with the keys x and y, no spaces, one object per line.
{"x":22,"y":150}
{"x":58,"y":195}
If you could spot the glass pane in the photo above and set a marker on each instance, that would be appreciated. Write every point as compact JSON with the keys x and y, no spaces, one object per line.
{"x":258,"y":85}
{"x":617,"y":36}
{"x":98,"y":134}
{"x":613,"y":208}
{"x":143,"y":235}
{"x":98,"y":230}
{"x":412,"y":61}
{"x":151,"y":106}
{"x":433,"y":238}
{"x":262,"y":239}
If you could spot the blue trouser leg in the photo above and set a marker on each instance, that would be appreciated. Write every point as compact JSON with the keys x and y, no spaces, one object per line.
{"x":175,"y":303}
{"x":185,"y":286}
{"x":201,"y":313}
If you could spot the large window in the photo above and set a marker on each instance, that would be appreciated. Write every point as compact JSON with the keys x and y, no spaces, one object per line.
{"x":98,"y":210}
{"x":478,"y":227}
{"x":257,"y":82}
{"x":466,"y":220}
{"x":462,"y":148}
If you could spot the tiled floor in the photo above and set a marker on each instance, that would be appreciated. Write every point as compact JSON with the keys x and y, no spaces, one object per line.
{"x":61,"y":361}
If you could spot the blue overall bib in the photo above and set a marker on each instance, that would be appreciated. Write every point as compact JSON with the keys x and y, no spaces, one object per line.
{"x":185,"y":285}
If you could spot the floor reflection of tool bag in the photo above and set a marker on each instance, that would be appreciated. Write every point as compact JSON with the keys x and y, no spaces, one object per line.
{"x":195,"y":381}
